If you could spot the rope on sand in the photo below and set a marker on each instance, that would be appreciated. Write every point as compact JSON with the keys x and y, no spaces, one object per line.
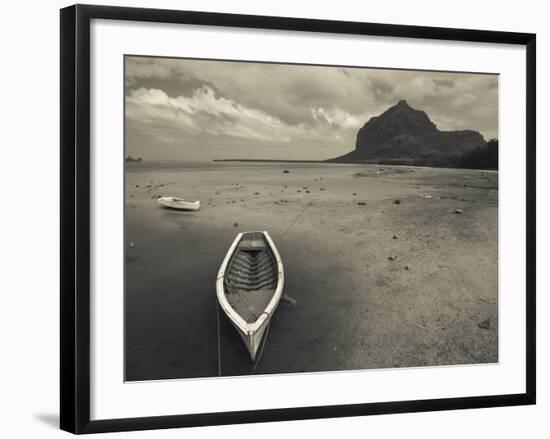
{"x":296,"y":219}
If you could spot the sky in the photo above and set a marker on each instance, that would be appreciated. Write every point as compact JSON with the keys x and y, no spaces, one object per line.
{"x":199,"y":110}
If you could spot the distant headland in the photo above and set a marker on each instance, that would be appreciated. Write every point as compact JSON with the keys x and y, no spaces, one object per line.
{"x":402,"y":135}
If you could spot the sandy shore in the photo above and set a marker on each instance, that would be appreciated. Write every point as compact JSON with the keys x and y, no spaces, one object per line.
{"x":377,"y":284}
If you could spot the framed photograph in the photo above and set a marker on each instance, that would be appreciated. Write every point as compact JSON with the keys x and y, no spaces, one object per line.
{"x":267,"y":218}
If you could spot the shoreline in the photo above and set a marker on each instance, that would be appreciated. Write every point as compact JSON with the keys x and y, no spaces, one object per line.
{"x":344,"y":162}
{"x":327,"y":162}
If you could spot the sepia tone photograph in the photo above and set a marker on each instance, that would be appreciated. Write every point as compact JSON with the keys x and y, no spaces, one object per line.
{"x":290,"y":218}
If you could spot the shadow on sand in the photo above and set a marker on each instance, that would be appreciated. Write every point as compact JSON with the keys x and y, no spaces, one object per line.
{"x":171,"y":305}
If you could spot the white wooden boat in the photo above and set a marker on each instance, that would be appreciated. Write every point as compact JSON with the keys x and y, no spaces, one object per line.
{"x":249,"y":286}
{"x":179,"y":203}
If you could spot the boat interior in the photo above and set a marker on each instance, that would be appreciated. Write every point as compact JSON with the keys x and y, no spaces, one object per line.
{"x":251,"y":277}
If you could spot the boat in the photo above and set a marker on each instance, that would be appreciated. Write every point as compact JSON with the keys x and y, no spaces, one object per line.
{"x":179,"y":203}
{"x":249,"y":286}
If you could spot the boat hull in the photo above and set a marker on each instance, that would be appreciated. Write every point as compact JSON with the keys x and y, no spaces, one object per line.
{"x":253,"y":341}
{"x":249,"y":286}
{"x":179,"y":204}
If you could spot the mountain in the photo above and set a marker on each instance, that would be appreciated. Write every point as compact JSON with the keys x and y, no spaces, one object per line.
{"x":403,"y":134}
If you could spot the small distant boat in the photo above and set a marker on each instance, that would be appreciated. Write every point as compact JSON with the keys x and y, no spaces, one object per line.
{"x":249,"y":286}
{"x":179,"y":203}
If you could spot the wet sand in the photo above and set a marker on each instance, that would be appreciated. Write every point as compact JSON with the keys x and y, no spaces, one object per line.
{"x":377,"y":284}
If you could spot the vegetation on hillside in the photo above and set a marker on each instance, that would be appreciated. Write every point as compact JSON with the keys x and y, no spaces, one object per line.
{"x":481,"y":157}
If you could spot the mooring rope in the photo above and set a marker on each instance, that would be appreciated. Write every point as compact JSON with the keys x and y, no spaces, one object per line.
{"x":296,"y":219}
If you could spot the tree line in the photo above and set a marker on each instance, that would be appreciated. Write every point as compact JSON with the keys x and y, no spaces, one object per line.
{"x":482,"y":157}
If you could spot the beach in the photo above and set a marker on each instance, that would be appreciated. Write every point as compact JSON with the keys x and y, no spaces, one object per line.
{"x":390,"y":266}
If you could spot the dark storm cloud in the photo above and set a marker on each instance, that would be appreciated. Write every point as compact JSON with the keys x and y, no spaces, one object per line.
{"x":173,"y":101}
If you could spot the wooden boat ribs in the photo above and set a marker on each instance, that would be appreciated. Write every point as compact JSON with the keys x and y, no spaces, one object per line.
{"x":251,"y":270}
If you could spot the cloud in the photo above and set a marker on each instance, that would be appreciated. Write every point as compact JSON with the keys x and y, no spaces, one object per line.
{"x":141,"y":67}
{"x":268,"y":105}
{"x":444,"y":83}
{"x":380,"y":87}
{"x":202,"y":113}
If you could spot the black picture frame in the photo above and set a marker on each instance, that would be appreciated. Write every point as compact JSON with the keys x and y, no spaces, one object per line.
{"x":75,"y":217}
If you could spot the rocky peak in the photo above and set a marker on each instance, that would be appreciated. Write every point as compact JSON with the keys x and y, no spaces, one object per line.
{"x":403,"y":132}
